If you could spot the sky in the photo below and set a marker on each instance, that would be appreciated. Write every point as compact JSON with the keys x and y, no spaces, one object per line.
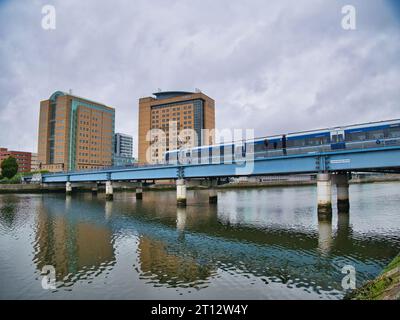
{"x":274,"y":66}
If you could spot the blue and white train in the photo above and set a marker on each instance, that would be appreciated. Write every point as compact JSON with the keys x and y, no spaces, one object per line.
{"x":360,"y":136}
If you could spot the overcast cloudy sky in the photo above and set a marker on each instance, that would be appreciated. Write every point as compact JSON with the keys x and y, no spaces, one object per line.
{"x":275,"y":66}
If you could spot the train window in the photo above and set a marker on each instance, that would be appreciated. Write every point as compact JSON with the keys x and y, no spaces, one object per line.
{"x":259,"y":147}
{"x":356,"y":136}
{"x":295,"y":143}
{"x":376,"y":134}
{"x":316,"y":141}
{"x":394,"y":132}
{"x":273,"y":145}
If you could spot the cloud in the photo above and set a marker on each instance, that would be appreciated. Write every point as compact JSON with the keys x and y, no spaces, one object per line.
{"x":276,"y":66}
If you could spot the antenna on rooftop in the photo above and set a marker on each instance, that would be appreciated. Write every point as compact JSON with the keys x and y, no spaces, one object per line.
{"x":197,"y":90}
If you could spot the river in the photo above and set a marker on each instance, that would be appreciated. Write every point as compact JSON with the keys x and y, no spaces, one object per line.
{"x":254,"y":244}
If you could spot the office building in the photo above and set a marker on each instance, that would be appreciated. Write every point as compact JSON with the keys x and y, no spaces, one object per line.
{"x":75,"y":133}
{"x":34,"y":162}
{"x":23,"y":159}
{"x":169,"y":113}
{"x":123,"y":149}
{"x":123,"y":145}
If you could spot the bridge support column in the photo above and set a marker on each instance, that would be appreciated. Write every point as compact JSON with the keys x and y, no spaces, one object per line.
{"x":109,"y":191}
{"x":95,"y":189}
{"x":181,"y":192}
{"x":342,"y":186}
{"x":139,"y":191}
{"x":324,"y":194}
{"x":68,"y":188}
{"x":212,"y":192}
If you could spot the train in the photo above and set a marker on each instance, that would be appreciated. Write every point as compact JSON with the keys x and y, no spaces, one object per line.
{"x":360,"y":136}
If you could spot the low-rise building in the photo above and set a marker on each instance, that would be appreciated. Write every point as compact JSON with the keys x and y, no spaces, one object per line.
{"x":23,"y":158}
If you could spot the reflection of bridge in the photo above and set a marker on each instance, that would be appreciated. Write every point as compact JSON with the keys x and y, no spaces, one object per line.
{"x":175,"y":237}
{"x":331,"y":167}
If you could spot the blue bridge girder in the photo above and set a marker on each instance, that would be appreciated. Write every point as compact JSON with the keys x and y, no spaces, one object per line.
{"x":373,"y":159}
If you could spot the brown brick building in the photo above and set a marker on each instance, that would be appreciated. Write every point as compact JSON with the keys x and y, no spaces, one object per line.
{"x":23,"y":159}
{"x":74,"y":133}
{"x":174,"y":109}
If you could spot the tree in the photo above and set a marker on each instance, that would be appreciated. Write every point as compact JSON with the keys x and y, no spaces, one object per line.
{"x":9,"y":167}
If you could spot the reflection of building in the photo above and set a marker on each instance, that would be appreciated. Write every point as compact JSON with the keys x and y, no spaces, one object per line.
{"x":71,"y":247}
{"x":123,"y":149}
{"x":168,"y":268}
{"x":74,"y":133}
{"x":187,"y":110}
{"x":23,"y":158}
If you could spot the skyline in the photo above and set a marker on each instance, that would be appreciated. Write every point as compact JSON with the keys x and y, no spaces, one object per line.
{"x":302,"y":62}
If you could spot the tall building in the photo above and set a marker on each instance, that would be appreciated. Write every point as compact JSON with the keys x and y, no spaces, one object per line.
{"x":123,"y":149}
{"x":181,"y":110}
{"x":75,"y":133}
{"x":23,"y":158}
{"x":123,"y":145}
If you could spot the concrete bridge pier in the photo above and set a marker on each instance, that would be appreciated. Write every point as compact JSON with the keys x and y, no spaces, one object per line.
{"x":212,"y":192}
{"x":342,"y":186}
{"x":181,"y":192}
{"x":324,"y":191}
{"x":139,"y":191}
{"x":109,"y":191}
{"x":68,"y":188}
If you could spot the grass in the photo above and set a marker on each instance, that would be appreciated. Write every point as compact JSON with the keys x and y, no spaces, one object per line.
{"x":385,"y":286}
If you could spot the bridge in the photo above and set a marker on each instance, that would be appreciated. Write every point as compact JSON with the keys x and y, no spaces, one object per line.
{"x":332,"y":167}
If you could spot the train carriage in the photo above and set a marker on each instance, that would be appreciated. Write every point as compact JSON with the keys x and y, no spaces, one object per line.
{"x":360,"y":136}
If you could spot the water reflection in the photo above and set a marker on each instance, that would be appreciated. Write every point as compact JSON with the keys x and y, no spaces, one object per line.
{"x":8,"y":210}
{"x":344,"y":231}
{"x":108,"y":209}
{"x":325,"y":238}
{"x":161,"y":264}
{"x":77,"y":249}
{"x":261,"y":243}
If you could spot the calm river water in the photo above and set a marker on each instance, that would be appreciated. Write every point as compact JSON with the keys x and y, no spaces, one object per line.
{"x":254,"y":244}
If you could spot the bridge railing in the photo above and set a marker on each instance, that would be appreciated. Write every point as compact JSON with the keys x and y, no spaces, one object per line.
{"x":129,"y":166}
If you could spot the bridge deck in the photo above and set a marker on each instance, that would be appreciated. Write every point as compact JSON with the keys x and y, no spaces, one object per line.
{"x":373,"y":159}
